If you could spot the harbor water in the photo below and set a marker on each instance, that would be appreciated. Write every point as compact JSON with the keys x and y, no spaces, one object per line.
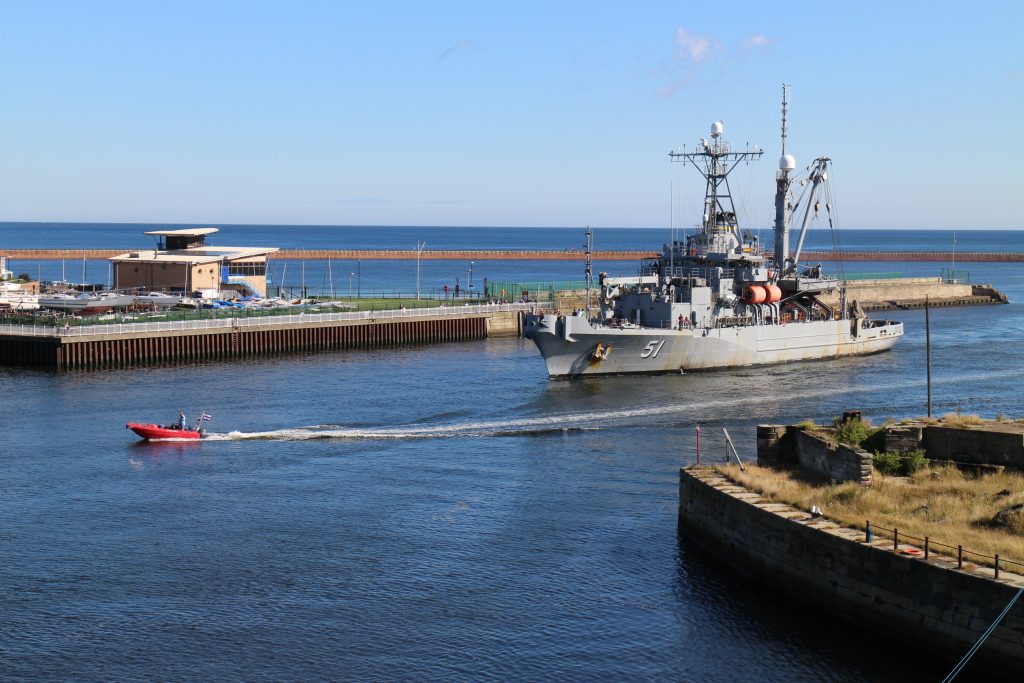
{"x":432,"y":513}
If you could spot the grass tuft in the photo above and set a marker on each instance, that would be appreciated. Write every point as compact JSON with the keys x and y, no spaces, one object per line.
{"x":959,"y":420}
{"x":938,"y":502}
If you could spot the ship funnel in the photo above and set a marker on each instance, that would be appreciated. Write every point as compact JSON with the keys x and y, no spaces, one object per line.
{"x":716,"y":129}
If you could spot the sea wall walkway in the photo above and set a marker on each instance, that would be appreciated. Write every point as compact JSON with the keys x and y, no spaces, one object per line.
{"x":530,"y":255}
{"x":92,"y":347}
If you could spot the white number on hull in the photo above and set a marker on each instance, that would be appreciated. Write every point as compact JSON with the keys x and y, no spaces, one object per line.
{"x":652,"y":349}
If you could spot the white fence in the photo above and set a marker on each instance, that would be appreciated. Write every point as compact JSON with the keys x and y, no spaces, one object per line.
{"x":257,"y":321}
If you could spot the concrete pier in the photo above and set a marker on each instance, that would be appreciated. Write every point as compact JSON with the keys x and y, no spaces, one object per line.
{"x":94,"y":347}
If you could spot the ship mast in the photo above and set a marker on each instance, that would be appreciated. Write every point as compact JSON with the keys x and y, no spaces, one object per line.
{"x":782,"y":182}
{"x":715,"y":160}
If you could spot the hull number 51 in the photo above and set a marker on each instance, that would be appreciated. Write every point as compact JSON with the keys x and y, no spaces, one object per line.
{"x":652,"y":349}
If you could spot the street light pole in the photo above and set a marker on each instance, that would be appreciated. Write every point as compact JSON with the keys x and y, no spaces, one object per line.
{"x":350,"y":285}
{"x":359,"y":279}
{"x":470,"y":270}
{"x":419,"y":250}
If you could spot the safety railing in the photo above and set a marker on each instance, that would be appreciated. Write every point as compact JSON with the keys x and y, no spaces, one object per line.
{"x":261,"y":321}
{"x":928,"y":545}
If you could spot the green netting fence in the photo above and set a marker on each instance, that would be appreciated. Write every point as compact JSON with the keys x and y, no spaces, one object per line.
{"x":537,"y":291}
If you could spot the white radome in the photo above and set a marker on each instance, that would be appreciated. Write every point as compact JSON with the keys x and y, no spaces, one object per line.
{"x":787,"y":162}
{"x":716,"y":129}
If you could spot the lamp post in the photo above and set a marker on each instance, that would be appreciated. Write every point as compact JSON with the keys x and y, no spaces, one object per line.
{"x":419,"y":250}
{"x":350,"y":285}
{"x":359,"y":279}
{"x":470,"y":271}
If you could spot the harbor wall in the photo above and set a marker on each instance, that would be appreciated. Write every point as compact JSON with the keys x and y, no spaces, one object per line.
{"x":927,"y":603}
{"x":117,"y":346}
{"x":535,"y":255}
{"x":901,"y":293}
{"x":872,"y":295}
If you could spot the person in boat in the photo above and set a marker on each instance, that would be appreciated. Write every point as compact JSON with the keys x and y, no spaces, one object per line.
{"x":180,"y":424}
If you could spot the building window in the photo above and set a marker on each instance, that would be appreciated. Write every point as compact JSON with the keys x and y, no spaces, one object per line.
{"x":247,"y":268}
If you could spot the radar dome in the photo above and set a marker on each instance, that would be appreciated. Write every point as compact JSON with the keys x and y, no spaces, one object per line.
{"x":787,"y":162}
{"x":716,"y":129}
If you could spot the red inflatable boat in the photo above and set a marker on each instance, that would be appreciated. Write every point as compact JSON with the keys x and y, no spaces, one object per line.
{"x":152,"y":432}
{"x":175,"y":432}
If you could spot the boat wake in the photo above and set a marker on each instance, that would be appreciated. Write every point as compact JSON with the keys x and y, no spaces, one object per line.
{"x":680,"y":414}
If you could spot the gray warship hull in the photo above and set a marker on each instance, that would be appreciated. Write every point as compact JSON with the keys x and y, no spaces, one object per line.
{"x":717,"y":299}
{"x":572,"y":346}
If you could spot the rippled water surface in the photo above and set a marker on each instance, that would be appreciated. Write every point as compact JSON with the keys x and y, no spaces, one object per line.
{"x":441,"y":513}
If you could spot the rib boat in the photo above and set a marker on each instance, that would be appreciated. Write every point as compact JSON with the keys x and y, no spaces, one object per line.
{"x":174,"y":432}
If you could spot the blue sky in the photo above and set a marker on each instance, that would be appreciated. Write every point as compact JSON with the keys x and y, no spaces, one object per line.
{"x":502,"y":114}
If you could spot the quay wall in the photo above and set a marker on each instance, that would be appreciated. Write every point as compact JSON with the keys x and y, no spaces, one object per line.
{"x":927,"y":603}
{"x":128,"y":345}
{"x":533,"y":255}
{"x":872,"y":295}
{"x":899,"y":293}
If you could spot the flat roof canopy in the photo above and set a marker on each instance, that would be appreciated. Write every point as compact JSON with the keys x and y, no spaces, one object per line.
{"x":186,"y":232}
{"x":195,"y":255}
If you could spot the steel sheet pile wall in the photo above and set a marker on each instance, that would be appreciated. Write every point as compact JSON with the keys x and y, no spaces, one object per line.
{"x":126,"y":350}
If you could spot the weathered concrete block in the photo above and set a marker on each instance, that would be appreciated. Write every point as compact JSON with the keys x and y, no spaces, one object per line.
{"x":975,"y":446}
{"x":772,"y":445}
{"x":902,"y":438}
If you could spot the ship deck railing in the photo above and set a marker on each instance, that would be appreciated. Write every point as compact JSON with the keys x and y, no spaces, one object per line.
{"x":256,"y":321}
{"x":691,"y":272}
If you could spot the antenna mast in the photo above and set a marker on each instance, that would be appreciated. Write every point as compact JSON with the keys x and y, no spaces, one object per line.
{"x":588,"y":271}
{"x":782,"y":182}
{"x":715,"y":160}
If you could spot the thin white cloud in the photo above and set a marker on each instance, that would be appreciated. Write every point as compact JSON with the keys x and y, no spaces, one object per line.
{"x":693,"y":51}
{"x":459,"y":46}
{"x":693,"y":46}
{"x":670,"y":89}
{"x":757,"y":40}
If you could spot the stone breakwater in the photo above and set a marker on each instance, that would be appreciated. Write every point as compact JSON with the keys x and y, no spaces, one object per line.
{"x":927,"y":603}
{"x":529,"y":255}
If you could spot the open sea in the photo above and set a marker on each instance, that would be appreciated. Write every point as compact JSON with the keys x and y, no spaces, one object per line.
{"x":440,"y":512}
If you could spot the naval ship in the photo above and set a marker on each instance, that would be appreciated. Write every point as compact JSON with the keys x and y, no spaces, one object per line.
{"x":716,"y":299}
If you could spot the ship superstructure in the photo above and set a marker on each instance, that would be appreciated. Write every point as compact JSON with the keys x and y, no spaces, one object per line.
{"x":716,"y":298}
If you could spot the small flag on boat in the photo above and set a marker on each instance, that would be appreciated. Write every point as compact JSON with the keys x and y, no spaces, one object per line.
{"x":206,"y":416}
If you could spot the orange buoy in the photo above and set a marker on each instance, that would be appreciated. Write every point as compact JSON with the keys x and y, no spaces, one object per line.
{"x":772,"y":294}
{"x":754,"y":294}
